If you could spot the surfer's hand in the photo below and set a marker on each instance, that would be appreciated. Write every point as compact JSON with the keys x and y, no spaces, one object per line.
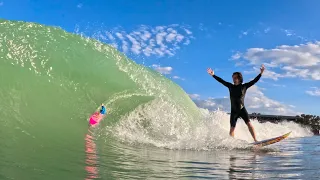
{"x":210,"y":71}
{"x":262,"y":69}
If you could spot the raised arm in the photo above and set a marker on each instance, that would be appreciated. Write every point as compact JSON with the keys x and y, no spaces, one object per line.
{"x":256,"y":79}
{"x":251,"y":83}
{"x":225,"y":83}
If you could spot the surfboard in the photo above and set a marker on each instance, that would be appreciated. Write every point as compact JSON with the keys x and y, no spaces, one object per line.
{"x":96,"y":117}
{"x":270,"y":141}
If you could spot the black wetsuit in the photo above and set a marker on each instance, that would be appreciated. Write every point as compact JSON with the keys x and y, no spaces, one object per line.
{"x":237,"y":94}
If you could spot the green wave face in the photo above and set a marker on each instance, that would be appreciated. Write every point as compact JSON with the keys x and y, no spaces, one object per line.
{"x":52,"y":80}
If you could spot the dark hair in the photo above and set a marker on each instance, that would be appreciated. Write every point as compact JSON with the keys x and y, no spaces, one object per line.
{"x":239,"y":76}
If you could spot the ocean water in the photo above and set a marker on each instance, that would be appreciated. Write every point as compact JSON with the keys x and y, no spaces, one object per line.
{"x":51,"y":81}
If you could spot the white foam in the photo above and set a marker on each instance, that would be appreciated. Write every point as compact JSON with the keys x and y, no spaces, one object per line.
{"x":160,"y":124}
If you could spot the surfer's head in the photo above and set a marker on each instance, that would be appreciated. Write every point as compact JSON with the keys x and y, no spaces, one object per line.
{"x":103,"y":110}
{"x":237,"y":78}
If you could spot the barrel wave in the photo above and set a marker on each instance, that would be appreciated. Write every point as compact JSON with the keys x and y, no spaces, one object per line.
{"x":51,"y":81}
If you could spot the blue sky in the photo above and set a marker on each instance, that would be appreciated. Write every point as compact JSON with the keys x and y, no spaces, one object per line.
{"x":182,"y":38}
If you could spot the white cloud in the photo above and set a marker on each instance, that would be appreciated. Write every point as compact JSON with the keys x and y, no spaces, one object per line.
{"x":125,"y":46}
{"x":267,"y":30}
{"x":289,"y":32}
{"x":171,"y":37}
{"x":114,"y":45}
{"x":188,"y":31}
{"x":267,"y":73}
{"x":79,"y":5}
{"x":119,"y":35}
{"x":236,"y":56}
{"x":187,"y":42}
{"x":159,"y":41}
{"x":177,"y":77}
{"x":286,"y":61}
{"x":314,"y":92}
{"x":263,"y":29}
{"x":110,"y":36}
{"x":162,"y":70}
{"x":159,"y":38}
{"x":147,"y":51}
{"x":279,"y":85}
{"x":146,"y":35}
{"x":239,"y":63}
{"x":201,"y":27}
{"x":136,"y":47}
{"x":244,"y":33}
{"x":255,"y":101}
{"x":194,"y":96}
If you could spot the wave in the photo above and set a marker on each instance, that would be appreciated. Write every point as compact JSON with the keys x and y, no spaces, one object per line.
{"x":52,"y":80}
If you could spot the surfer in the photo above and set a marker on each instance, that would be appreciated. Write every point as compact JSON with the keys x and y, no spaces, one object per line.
{"x":97,"y":116}
{"x":237,"y":92}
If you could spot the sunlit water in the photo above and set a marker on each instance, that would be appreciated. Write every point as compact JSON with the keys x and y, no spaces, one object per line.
{"x":291,"y":159}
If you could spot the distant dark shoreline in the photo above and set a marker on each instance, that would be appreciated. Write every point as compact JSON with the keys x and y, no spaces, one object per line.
{"x":305,"y":120}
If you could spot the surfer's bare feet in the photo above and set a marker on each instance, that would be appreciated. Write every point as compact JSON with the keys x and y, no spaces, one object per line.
{"x":231,"y":133}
